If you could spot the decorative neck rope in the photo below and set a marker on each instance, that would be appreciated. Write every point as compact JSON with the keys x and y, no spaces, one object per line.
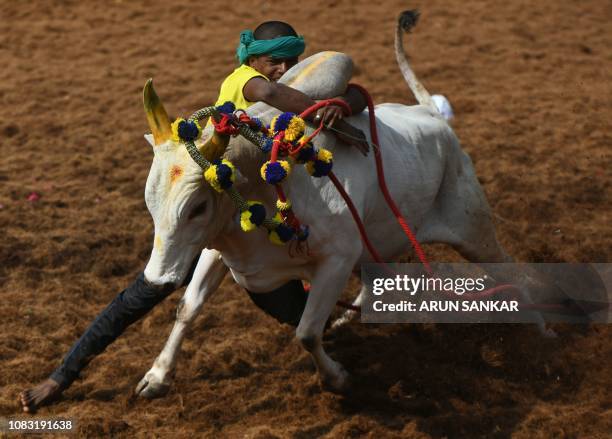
{"x":283,"y":138}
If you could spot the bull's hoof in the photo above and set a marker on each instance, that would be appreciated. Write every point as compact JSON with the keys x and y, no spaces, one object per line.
{"x":347,"y":317}
{"x":151,"y":387}
{"x":339,"y":383}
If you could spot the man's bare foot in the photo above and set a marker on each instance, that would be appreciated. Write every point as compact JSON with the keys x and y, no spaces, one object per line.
{"x":42,"y":394}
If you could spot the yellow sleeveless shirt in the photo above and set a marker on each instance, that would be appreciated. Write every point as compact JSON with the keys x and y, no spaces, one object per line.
{"x":231,"y":89}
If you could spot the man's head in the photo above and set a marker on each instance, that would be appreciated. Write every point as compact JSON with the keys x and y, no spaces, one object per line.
{"x":272,"y":49}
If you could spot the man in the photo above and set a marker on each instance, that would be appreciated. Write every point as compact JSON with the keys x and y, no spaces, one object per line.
{"x":264,"y":56}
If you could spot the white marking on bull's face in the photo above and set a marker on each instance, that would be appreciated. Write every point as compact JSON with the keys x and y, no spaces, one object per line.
{"x":183,"y":207}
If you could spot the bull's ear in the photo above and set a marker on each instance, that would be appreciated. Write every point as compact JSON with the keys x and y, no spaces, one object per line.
{"x":149,"y":138}
{"x":156,"y":114}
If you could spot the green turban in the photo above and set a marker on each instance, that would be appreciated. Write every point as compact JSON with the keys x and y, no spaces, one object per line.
{"x":281,"y":47}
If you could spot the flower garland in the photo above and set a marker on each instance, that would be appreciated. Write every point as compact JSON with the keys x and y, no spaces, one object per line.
{"x":284,"y":137}
{"x":287,"y":133}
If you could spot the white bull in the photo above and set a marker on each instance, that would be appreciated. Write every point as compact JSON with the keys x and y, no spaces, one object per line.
{"x":429,"y":176}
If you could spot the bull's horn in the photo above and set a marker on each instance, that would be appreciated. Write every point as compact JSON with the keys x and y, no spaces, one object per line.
{"x":156,"y":114}
{"x":215,"y":146}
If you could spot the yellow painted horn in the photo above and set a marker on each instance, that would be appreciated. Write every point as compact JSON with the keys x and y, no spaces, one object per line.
{"x":156,"y":114}
{"x":215,"y":146}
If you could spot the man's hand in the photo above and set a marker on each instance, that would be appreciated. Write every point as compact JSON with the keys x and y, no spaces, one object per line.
{"x":288,"y":99}
{"x":329,"y":115}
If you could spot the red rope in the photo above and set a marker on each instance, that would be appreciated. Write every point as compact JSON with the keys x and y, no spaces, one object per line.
{"x":381,"y":181}
{"x":391,"y":203}
{"x":339,"y":102}
{"x":226,"y":126}
{"x":360,"y":226}
{"x":383,"y":185}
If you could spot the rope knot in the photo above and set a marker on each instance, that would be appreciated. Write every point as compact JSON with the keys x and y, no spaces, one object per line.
{"x":227,"y":125}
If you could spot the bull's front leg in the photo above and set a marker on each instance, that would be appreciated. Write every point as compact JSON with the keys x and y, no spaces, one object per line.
{"x":207,"y":277}
{"x":326,"y":287}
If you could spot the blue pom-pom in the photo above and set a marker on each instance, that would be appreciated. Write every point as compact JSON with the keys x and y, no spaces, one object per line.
{"x":285,"y":233}
{"x":275,"y":173}
{"x":305,"y":154}
{"x":321,"y":168}
{"x":258,"y":214}
{"x":224,"y":175}
{"x":267,"y":146}
{"x":282,"y":122}
{"x":227,"y":108}
{"x":188,"y":130}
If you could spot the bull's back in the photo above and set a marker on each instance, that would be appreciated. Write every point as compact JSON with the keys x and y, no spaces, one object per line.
{"x":415,"y":144}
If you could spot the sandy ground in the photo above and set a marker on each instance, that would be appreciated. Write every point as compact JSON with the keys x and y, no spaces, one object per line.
{"x":530,"y":83}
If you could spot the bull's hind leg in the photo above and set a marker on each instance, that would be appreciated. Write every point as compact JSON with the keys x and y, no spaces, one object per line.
{"x":326,"y":287}
{"x":463,"y":220}
{"x":462,"y":217}
{"x":349,"y":314}
{"x":207,"y":277}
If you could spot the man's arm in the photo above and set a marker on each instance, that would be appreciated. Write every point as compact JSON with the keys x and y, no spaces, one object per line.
{"x":289,"y":99}
{"x":277,"y":95}
{"x":355,"y":100}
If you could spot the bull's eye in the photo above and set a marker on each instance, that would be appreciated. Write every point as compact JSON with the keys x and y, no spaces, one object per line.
{"x":198,"y":210}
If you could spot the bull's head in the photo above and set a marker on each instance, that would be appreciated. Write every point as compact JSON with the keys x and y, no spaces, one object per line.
{"x":187,"y":213}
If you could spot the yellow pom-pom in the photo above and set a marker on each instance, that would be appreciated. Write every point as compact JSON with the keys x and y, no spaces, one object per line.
{"x":174,"y":128}
{"x":274,"y":238}
{"x":325,"y":155}
{"x":283,"y":205}
{"x":253,"y":216}
{"x":231,"y":166}
{"x":210,"y":175}
{"x":262,"y":170}
{"x":281,"y":233}
{"x":245,"y":221}
{"x":185,"y":130}
{"x":219,"y":177}
{"x":276,"y":172}
{"x":321,"y":165}
{"x":295,"y":129}
{"x":286,"y":166}
{"x":272,"y":124}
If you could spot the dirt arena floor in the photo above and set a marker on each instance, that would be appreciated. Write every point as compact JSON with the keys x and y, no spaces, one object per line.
{"x":530,"y":84}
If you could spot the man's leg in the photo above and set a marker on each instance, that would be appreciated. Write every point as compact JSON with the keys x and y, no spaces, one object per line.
{"x":286,"y":304}
{"x":129,"y":306}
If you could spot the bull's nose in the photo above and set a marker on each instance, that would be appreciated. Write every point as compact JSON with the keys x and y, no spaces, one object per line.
{"x":165,"y":274}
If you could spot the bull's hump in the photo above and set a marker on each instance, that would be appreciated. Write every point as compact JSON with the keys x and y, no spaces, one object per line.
{"x":320,"y":76}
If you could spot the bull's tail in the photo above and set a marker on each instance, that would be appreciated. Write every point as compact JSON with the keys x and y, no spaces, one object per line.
{"x":406,"y":21}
